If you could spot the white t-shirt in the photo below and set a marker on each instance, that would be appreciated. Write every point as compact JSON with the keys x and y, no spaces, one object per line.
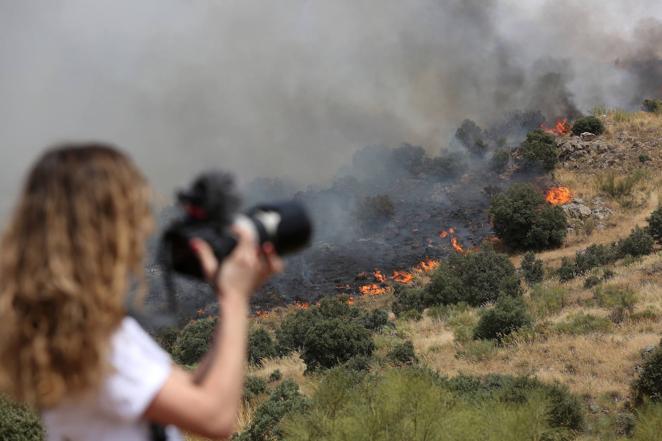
{"x":139,"y":370}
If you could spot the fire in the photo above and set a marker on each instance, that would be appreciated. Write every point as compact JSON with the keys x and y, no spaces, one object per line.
{"x":562,"y":127}
{"x":558,"y":195}
{"x":372,"y":289}
{"x":456,"y":245}
{"x":403,"y":277}
{"x":454,"y":242}
{"x":427,"y":265}
{"x":379,"y":276}
{"x":262,"y":314}
{"x":301,"y":305}
{"x":350,"y":300}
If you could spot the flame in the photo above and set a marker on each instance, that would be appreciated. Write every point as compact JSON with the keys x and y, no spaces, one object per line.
{"x":558,"y":195}
{"x":262,"y":314}
{"x":379,"y":276}
{"x":427,"y":265}
{"x":301,"y":305}
{"x":350,"y":300}
{"x":372,"y":289}
{"x":456,"y":245}
{"x":403,"y":277}
{"x":562,"y":127}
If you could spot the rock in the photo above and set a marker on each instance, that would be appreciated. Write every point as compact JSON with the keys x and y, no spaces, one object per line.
{"x":587,"y":136}
{"x":577,"y":210}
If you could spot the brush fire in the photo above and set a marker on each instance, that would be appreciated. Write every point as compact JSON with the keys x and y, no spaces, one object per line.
{"x":558,"y":196}
{"x":562,"y":127}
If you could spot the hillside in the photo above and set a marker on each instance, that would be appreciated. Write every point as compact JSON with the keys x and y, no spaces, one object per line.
{"x":576,"y":339}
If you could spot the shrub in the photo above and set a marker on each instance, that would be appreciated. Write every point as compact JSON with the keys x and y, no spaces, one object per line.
{"x":567,"y":271}
{"x":614,"y":296}
{"x":593,"y":257}
{"x":292,"y":330}
{"x":416,"y":404}
{"x":508,"y":315}
{"x":499,"y":161}
{"x":655,"y":224}
{"x":265,"y":424}
{"x":166,"y":338}
{"x":470,"y":137}
{"x":592,"y":281}
{"x":375,"y":319}
{"x":548,"y":300}
{"x":523,"y":220}
{"x":648,"y":386}
{"x":638,"y":243}
{"x":360,"y":363}
{"x":375,"y":210}
{"x":532,"y":269}
{"x":580,"y":323}
{"x":253,"y":387}
{"x":644,"y":158}
{"x":260,"y":346}
{"x":194,"y":340}
{"x":617,"y":186}
{"x":18,"y":423}
{"x":652,"y":106}
{"x":407,"y":298}
{"x":402,"y":354}
{"x":276,"y":375}
{"x":474,"y":278}
{"x":588,"y":124}
{"x":330,"y":342}
{"x":539,"y":151}
{"x":447,"y":166}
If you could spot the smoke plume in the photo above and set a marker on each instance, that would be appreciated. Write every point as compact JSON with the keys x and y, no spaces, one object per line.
{"x":293,"y":88}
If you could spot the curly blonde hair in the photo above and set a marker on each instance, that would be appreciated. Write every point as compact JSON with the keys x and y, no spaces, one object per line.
{"x":74,"y":241}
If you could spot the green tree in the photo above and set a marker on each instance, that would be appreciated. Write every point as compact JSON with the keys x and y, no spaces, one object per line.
{"x":532,"y":268}
{"x":474,"y":278}
{"x":539,"y":151}
{"x":330,"y":342}
{"x":260,"y":346}
{"x":523,"y":220}
{"x":508,"y":315}
{"x":194,"y":340}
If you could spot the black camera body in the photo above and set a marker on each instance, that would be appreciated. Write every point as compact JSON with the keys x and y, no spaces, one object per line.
{"x":211,"y":209}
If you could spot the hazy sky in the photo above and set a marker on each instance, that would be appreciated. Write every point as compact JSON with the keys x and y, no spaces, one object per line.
{"x":289,"y":88}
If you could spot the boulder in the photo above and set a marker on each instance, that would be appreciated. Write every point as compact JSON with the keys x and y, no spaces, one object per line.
{"x":587,"y":136}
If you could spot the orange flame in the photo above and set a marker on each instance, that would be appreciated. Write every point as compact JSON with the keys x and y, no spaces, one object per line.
{"x":562,"y":127}
{"x":443,"y":234}
{"x":456,"y":245}
{"x":350,"y":300}
{"x":262,"y":314}
{"x":402,"y":277}
{"x":372,"y":289}
{"x":427,"y":265}
{"x":301,"y":305}
{"x":558,"y":195}
{"x":379,"y":276}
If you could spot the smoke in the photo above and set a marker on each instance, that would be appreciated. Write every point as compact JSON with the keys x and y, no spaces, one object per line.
{"x":293,"y":88}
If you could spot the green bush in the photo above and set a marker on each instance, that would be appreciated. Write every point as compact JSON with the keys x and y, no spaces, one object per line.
{"x":291,"y":334}
{"x":532,"y":269}
{"x":470,"y":137}
{"x":592,"y":281}
{"x":360,"y":363}
{"x":330,"y":342}
{"x":580,"y":324}
{"x":499,"y":161}
{"x":265,"y":424}
{"x":447,"y":166}
{"x":652,"y":106}
{"x":166,"y":338}
{"x":648,"y":386}
{"x":568,"y":270}
{"x":402,"y":354}
{"x":276,"y":375}
{"x":18,"y":423}
{"x":588,"y":124}
{"x":375,"y":320}
{"x":644,"y":158}
{"x":655,"y":224}
{"x":260,"y":346}
{"x":593,"y":257}
{"x":523,"y":220}
{"x":416,"y":404}
{"x":194,"y":340}
{"x":638,"y":243}
{"x":253,"y":387}
{"x":539,"y":151}
{"x":508,"y":315}
{"x":407,"y":299}
{"x":473,"y":278}
{"x":618,"y":186}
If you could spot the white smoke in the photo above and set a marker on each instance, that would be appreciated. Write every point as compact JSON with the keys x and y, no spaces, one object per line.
{"x":291,"y":88}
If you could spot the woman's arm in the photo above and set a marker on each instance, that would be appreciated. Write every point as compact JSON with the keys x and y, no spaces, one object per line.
{"x":207,"y":402}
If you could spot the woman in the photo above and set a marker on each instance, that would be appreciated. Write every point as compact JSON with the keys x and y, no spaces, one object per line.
{"x":72,"y":246}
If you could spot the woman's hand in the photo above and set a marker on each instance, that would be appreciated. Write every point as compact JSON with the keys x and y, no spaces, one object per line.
{"x":244,"y":270}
